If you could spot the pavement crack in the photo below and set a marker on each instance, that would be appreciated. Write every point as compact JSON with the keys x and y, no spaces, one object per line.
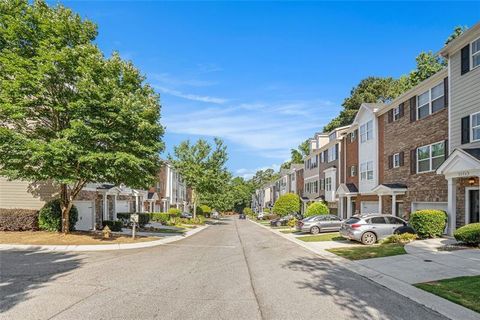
{"x":257,"y":300}
{"x":78,"y":302}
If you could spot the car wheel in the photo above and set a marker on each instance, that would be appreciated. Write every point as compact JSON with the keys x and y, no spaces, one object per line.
{"x":315,"y":230}
{"x":369,"y":238}
{"x":278,"y":224}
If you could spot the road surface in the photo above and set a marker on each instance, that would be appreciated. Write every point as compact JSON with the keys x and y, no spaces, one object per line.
{"x":232,"y":270}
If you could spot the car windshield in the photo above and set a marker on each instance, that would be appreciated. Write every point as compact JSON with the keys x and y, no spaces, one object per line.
{"x":310,"y":218}
{"x":352,"y":220}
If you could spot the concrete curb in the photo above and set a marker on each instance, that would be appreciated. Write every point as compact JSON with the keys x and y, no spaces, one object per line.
{"x":102,"y":247}
{"x":444,"y":307}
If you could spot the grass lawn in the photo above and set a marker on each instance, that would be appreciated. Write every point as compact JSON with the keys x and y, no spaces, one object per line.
{"x":462,"y":290}
{"x":74,"y":238}
{"x":367,"y":252}
{"x":264,"y":222}
{"x":322,"y":237}
{"x":290,"y":231}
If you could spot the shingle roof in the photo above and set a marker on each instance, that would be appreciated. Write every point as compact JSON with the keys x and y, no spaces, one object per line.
{"x":475,"y":152}
{"x":394,"y":185}
{"x":352,"y":187}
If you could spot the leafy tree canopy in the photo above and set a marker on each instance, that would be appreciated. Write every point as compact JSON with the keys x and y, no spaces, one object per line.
{"x":67,"y":114}
{"x":288,"y":203}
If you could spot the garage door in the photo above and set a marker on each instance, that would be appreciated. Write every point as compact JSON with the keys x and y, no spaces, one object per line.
{"x":369,"y":207}
{"x":429,"y":205}
{"x":85,"y":215}
{"x":123,"y":206}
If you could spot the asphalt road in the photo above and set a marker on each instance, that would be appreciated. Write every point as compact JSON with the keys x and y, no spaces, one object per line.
{"x":233,"y":270}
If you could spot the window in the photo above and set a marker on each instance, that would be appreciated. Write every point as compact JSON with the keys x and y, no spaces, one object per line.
{"x":352,"y":136}
{"x":430,"y":101}
{"x":396,"y":113}
{"x":332,"y":154}
{"x":475,"y":53}
{"x":430,"y":157}
{"x":366,"y":131}
{"x":394,"y":220}
{"x":322,"y":184}
{"x":366,"y":171}
{"x":396,"y":160}
{"x":332,"y":136}
{"x":353,"y":171}
{"x":328,"y":184}
{"x":475,"y":125}
{"x":378,"y":220}
{"x":315,"y":187}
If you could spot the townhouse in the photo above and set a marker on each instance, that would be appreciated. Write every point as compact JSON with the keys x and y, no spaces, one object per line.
{"x":462,"y":167}
{"x":170,"y":191}
{"x":329,"y":168}
{"x":311,"y":171}
{"x":412,"y":144}
{"x":347,"y":190}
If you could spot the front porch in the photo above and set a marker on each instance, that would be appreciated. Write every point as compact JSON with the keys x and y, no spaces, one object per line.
{"x":393,"y":192}
{"x":462,"y":171}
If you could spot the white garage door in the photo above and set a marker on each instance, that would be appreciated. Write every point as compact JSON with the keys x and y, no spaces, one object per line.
{"x":369,"y":207}
{"x":429,"y":205}
{"x":123,"y":206}
{"x":85,"y":215}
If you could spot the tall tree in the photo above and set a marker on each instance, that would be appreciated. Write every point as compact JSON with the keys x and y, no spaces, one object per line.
{"x":202,"y":167}
{"x":67,"y":114}
{"x":428,"y":64}
{"x":263,"y":177}
{"x":458,"y":31}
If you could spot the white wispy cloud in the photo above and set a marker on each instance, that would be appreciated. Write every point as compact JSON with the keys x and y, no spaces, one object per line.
{"x":169,"y":80}
{"x":262,"y":129}
{"x":189,"y":96}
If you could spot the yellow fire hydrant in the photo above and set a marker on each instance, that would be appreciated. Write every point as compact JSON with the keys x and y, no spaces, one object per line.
{"x":107,"y":233}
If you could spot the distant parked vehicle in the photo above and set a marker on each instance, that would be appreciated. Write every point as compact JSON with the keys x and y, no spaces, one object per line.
{"x":242,"y":216}
{"x":368,"y":229}
{"x":215,"y":215}
{"x":186,"y":215}
{"x":283,"y":221}
{"x":319,"y":223}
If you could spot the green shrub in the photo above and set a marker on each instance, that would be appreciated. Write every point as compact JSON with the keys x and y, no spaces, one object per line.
{"x":113,"y":225}
{"x":468,"y":234}
{"x":143,"y":219}
{"x":248,"y":211}
{"x":50,"y":216}
{"x":316,"y":208}
{"x":198,"y":220}
{"x":205,"y":210}
{"x":161,"y":217}
{"x":123,"y":215}
{"x":292,"y":222}
{"x":400,"y":238}
{"x":174,"y":212}
{"x":287,"y":204}
{"x":18,"y":220}
{"x":428,"y":223}
{"x":266,"y":210}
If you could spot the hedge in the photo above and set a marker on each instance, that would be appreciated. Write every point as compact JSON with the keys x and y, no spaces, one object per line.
{"x":248,"y":211}
{"x":50,"y":216}
{"x":288,"y":203}
{"x":143,"y":218}
{"x":113,"y":225}
{"x":316,"y":208}
{"x":18,"y":220}
{"x":205,"y":210}
{"x":163,"y":217}
{"x":174,"y":211}
{"x":428,"y":223}
{"x":468,"y":234}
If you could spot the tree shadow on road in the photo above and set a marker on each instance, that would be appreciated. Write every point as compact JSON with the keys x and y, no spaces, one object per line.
{"x":354,"y":294}
{"x":24,"y":271}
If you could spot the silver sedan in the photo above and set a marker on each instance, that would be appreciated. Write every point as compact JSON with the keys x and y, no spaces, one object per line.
{"x":320,"y":223}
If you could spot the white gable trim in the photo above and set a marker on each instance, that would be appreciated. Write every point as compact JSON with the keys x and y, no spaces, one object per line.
{"x":460,"y":164}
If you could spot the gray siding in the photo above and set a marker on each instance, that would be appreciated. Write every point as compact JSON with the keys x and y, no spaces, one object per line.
{"x":25,"y":195}
{"x":464,"y":98}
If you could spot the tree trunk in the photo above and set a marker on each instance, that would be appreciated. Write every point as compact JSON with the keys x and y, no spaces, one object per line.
{"x":65,"y":206}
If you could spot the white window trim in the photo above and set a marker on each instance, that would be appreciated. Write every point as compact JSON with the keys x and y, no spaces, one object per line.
{"x":396,"y":113}
{"x":365,"y":125}
{"x":353,"y":171}
{"x":472,"y":54}
{"x":396,"y":165}
{"x":362,"y":178}
{"x":472,"y":127}
{"x":430,"y":156}
{"x":430,"y":101}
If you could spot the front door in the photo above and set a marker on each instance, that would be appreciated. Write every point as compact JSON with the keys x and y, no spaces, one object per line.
{"x":474,"y":206}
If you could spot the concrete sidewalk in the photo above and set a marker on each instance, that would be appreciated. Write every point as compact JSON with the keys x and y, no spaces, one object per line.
{"x":399,"y":278}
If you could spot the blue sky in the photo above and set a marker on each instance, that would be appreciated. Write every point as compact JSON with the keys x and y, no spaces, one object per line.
{"x":265,"y":76}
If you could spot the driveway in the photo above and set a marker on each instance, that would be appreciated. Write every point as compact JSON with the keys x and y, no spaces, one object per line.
{"x":232,"y":270}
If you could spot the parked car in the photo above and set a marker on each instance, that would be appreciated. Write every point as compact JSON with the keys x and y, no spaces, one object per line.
{"x":261,"y":215}
{"x":283,"y":221}
{"x":215,"y":215}
{"x":186,"y":215}
{"x":368,"y":229}
{"x":242,"y":216}
{"x":320,"y":223}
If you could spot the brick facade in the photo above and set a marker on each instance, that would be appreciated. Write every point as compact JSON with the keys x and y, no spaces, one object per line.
{"x":404,"y":136}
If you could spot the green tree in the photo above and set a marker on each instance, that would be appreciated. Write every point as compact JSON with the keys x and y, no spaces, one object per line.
{"x":67,"y":114}
{"x":263,"y":177}
{"x":202,"y":167}
{"x":428,"y":64}
{"x":458,"y":31}
{"x":288,"y":203}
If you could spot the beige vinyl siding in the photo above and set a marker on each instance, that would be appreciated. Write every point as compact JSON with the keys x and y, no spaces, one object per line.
{"x":464,"y":99}
{"x":25,"y":195}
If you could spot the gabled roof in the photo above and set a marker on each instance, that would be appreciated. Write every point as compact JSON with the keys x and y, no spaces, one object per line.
{"x":347,"y":189}
{"x":390,"y":188}
{"x":372,"y":107}
{"x":461,"y":163}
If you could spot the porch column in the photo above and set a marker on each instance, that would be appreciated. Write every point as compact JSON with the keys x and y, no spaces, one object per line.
{"x":136,"y":204}
{"x":380,"y":204}
{"x":394,"y":204}
{"x":340,"y":207}
{"x":115,"y":207}
{"x":105,"y":207}
{"x":349,"y":206}
{"x":452,"y":207}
